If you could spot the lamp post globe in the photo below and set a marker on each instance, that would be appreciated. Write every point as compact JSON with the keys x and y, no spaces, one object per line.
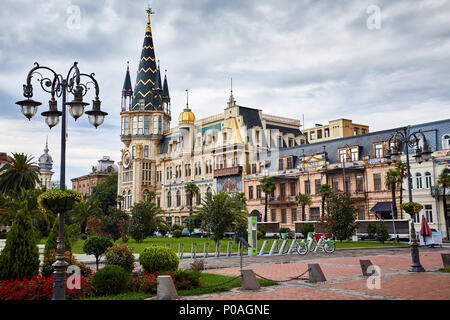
{"x":96,"y":116}
{"x":52,"y":115}
{"x":28,"y":107}
{"x":76,"y":106}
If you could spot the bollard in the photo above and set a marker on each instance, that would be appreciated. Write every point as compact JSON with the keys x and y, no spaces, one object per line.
{"x":445,"y":260}
{"x":364,"y":265}
{"x":249,"y":281}
{"x":272,"y":250}
{"x":229,"y":248}
{"x":283,"y":244}
{"x":205,"y":250}
{"x":181,"y":251}
{"x":263,"y":248}
{"x":315,"y":273}
{"x":291,"y":247}
{"x":218,"y":249}
{"x":193,"y":250}
{"x":239,"y":248}
{"x":165,"y":289}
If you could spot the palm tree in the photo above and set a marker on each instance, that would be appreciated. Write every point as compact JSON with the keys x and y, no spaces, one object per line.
{"x":402,"y":174}
{"x":82,"y":211}
{"x":444,"y":182}
{"x":391,"y":180}
{"x":191,"y":189}
{"x":120,"y":198}
{"x":267,"y":185}
{"x":20,"y":172}
{"x":325,"y":191}
{"x":303,"y":199}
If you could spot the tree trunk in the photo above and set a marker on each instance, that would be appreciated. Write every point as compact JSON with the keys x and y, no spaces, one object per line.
{"x":303,"y":213}
{"x":394,"y":204}
{"x":401,"y":201}
{"x":83,"y":228}
{"x":265,"y":209}
{"x":323,"y":206}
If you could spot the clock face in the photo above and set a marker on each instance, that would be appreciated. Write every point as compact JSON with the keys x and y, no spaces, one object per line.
{"x":126,"y":160}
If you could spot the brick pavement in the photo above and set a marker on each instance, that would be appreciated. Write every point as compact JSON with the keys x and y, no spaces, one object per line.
{"x":344,"y":279}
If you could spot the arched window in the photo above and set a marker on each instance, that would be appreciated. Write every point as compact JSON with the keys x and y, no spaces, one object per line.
{"x":169,"y":199}
{"x":209,"y":191}
{"x":446,"y":141}
{"x":418,"y":180}
{"x":124,"y":201}
{"x":427,"y":180}
{"x":199,"y":198}
{"x":146,"y":195}
{"x":130,"y":200}
{"x":178,"y":198}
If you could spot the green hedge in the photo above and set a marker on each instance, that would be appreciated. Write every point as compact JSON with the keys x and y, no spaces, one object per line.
{"x":157,"y":259}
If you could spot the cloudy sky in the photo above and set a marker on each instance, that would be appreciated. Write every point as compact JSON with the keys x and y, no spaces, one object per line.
{"x":383,"y":63}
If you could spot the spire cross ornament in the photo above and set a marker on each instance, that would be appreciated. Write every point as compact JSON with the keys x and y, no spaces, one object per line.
{"x":187,"y":98}
{"x":149,"y":12}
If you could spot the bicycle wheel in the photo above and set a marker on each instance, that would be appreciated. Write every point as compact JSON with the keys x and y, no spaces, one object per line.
{"x":302,"y":248}
{"x":329,"y":247}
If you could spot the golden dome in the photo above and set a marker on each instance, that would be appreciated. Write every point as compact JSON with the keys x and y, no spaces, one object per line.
{"x":186,"y":116}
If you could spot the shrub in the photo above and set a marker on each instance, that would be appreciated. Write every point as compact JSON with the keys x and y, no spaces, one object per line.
{"x":120,"y":255}
{"x":156,"y":259}
{"x":371,"y":230}
{"x":110,"y":280}
{"x":305,"y":228}
{"x":20,"y":257}
{"x":176,"y":233}
{"x":50,"y":259}
{"x":52,"y":240}
{"x":382,"y":233}
{"x":97,"y":246}
{"x":177,"y":227}
{"x":260,"y":235}
{"x":94,"y":227}
{"x":241,"y":231}
{"x":262,"y":228}
{"x":198,"y":265}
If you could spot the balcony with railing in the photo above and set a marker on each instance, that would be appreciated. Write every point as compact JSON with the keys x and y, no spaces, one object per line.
{"x":278,"y":199}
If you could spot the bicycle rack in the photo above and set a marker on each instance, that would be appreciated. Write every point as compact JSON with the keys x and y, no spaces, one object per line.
{"x":272,"y":250}
{"x":283,"y":244}
{"x":291,"y":247}
{"x":206,"y":249}
{"x":263,"y":248}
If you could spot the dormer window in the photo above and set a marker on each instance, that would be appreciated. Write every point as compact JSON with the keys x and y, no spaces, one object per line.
{"x":141,"y":104}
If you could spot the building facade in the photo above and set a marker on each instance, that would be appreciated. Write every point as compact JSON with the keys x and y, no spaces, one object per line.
{"x":335,"y":129}
{"x":45,"y":164}
{"x":215,"y":153}
{"x":99,"y":174}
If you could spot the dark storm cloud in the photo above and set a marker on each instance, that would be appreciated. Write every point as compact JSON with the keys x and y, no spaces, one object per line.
{"x":290,"y":58}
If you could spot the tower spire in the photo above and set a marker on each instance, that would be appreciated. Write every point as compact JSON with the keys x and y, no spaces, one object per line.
{"x":231,"y":95}
{"x":144,"y":92}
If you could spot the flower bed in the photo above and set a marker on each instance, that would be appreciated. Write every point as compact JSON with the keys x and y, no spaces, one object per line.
{"x":40,"y":288}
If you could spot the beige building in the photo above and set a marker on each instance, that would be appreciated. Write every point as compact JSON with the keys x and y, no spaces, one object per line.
{"x":215,"y":152}
{"x":99,"y":174}
{"x":335,"y":129}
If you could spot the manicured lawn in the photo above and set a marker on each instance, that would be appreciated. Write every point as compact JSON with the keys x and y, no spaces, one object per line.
{"x":207,"y":279}
{"x":444,"y":270}
{"x":138,"y":247}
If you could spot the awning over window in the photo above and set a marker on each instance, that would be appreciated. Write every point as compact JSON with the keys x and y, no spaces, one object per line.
{"x":382,"y":207}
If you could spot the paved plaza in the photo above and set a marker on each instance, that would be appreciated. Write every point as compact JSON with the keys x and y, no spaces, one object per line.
{"x":344,"y":277}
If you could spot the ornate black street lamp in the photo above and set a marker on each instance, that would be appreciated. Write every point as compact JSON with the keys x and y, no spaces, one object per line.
{"x":422,"y":153}
{"x":58,"y":86}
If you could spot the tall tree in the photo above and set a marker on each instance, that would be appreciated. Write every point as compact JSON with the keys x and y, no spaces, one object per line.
{"x":391,"y":180}
{"x":191,"y":189}
{"x":106,"y":193}
{"x":220,"y":212}
{"x":303,"y":200}
{"x":444,"y":182}
{"x":82,"y":211}
{"x":324,"y":191}
{"x":342,"y":211}
{"x":146,"y":217}
{"x":402,"y":174}
{"x":21,"y":172}
{"x":267,"y":185}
